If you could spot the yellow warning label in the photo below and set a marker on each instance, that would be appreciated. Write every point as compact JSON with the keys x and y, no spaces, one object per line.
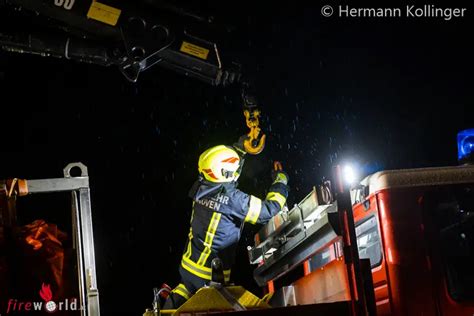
{"x":103,"y":13}
{"x":194,"y":50}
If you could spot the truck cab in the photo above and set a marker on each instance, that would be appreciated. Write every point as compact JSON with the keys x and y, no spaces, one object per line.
{"x":417,"y":228}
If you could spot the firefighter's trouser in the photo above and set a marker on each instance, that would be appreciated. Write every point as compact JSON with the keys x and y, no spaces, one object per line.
{"x":190,"y":283}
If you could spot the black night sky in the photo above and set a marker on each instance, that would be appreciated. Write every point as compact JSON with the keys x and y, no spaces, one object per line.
{"x":386,"y":93}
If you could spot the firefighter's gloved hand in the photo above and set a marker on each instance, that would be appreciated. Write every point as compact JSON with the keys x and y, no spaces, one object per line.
{"x":280,"y":177}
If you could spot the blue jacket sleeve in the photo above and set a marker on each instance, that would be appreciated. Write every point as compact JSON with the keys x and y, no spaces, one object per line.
{"x":254,"y":210}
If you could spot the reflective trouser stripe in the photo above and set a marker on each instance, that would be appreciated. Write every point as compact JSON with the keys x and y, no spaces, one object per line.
{"x":275,"y":196}
{"x":201,"y":271}
{"x":182,"y":290}
{"x":211,"y":232}
{"x":254,"y":210}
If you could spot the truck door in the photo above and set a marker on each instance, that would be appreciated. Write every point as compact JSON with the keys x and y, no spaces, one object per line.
{"x":370,"y":247}
{"x":449,"y":215}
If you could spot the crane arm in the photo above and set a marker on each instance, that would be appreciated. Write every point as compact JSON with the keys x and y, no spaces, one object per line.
{"x":132,"y":35}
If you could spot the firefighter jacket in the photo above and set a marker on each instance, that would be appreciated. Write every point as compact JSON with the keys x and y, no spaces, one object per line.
{"x":219,"y":211}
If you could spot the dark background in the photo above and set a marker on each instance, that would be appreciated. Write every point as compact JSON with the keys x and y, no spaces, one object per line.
{"x":385,"y":93}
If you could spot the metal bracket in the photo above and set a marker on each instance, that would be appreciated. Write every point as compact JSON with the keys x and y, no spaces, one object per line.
{"x":72,"y":165}
{"x":82,"y":230}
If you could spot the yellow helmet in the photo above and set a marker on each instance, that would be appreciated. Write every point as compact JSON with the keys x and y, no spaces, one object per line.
{"x":219,"y":164}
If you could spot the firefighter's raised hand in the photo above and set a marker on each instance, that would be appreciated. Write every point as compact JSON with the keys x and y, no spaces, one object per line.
{"x":279,"y":176}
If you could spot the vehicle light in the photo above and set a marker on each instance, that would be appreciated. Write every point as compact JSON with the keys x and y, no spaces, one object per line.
{"x":349,"y":174}
{"x":466,"y":145}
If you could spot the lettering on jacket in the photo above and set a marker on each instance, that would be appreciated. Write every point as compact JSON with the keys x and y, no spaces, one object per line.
{"x":214,"y":203}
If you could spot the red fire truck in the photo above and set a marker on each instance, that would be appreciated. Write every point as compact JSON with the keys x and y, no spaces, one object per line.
{"x":417,"y":228}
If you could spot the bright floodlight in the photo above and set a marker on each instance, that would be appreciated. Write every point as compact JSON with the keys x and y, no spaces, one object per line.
{"x":349,"y":174}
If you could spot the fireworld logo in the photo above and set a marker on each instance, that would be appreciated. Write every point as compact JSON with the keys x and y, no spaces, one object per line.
{"x":48,"y":304}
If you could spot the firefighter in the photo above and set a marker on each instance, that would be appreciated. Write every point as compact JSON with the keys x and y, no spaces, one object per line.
{"x":218,"y":214}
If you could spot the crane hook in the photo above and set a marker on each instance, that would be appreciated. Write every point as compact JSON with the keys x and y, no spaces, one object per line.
{"x":254,"y":143}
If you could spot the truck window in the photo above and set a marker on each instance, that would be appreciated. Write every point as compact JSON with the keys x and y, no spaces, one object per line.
{"x":368,"y":240}
{"x":453,"y":212}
